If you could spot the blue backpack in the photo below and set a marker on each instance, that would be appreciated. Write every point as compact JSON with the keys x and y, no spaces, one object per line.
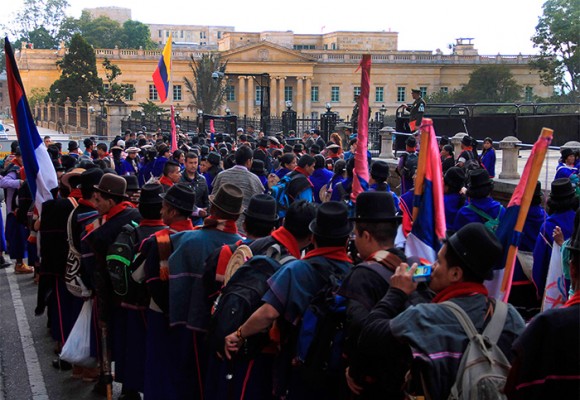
{"x":287,"y":189}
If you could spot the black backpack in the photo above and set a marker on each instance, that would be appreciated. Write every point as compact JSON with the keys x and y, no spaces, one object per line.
{"x":238,"y":300}
{"x":410,"y":165}
{"x":322,"y":331}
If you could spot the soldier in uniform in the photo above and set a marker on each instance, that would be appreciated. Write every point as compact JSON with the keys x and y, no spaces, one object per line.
{"x":416,"y":110}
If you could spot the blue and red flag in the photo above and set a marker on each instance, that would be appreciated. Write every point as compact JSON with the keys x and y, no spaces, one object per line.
{"x":40,"y":173}
{"x":424,"y":240}
{"x":162,"y":74}
{"x":509,"y":231}
{"x":360,"y":182}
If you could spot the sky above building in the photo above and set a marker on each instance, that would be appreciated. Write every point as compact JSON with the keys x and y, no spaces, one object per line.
{"x":497,"y":26}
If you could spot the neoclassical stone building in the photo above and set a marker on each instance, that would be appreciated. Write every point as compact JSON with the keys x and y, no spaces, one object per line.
{"x":309,"y":70}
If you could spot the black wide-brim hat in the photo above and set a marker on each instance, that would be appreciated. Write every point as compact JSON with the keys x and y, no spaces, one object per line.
{"x":132,"y":182}
{"x":91,"y":177}
{"x":180,"y":196}
{"x":380,"y":169}
{"x":478,"y":249}
{"x":262,"y":207}
{"x":150,"y":194}
{"x":562,"y":189}
{"x":229,"y":199}
{"x":331,"y":221}
{"x":376,"y":207}
{"x":478,"y":178}
{"x":112,"y":185}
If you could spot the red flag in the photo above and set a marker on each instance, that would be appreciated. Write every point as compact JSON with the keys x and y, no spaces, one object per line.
{"x":360,"y":182}
{"x":173,"y":131}
{"x":211,"y":126}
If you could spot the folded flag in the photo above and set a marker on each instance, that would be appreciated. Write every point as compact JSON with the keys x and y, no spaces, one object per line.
{"x":360,"y":182}
{"x":40,"y":173}
{"x":428,"y":230}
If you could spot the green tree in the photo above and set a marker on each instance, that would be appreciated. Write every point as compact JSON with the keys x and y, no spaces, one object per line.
{"x":37,"y":14}
{"x":37,"y":96}
{"x":102,"y":32}
{"x":442,"y":97}
{"x":151,"y":110}
{"x":78,"y":73}
{"x":207,"y":94}
{"x":490,"y":84}
{"x":116,"y":92}
{"x":136,"y":34}
{"x":556,"y":36}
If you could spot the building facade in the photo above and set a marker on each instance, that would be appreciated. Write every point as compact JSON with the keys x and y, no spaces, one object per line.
{"x":311,"y":71}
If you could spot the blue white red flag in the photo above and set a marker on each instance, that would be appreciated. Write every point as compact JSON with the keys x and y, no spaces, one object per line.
{"x":40,"y":173}
{"x":510,"y":229}
{"x":555,"y":294}
{"x":428,"y":229}
{"x":162,"y":74}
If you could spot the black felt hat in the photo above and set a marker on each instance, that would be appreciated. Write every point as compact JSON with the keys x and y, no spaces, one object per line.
{"x":562,"y":189}
{"x":132,"y":182}
{"x":262,"y":207}
{"x":455,"y":178}
{"x":380,"y":169}
{"x":113,"y":185}
{"x":258,"y":168}
{"x":375,"y":207}
{"x":180,"y":196}
{"x":478,"y":178}
{"x":477,"y":248}
{"x":466,"y":140}
{"x":150,"y":194}
{"x":228,"y":198}
{"x":91,"y":177}
{"x":331,"y":220}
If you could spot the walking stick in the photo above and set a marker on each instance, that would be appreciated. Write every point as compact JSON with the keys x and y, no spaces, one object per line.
{"x":106,"y":367}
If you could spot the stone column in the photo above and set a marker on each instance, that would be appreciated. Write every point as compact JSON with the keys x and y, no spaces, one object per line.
{"x":509,"y":162}
{"x":251,"y":97}
{"x":456,"y":142}
{"x":273,"y":96}
{"x":67,"y":106}
{"x":281,"y":90}
{"x":241,"y":95}
{"x":115,"y":114}
{"x":387,"y":142}
{"x":307,"y":98}
{"x":78,"y":105}
{"x":299,"y":96}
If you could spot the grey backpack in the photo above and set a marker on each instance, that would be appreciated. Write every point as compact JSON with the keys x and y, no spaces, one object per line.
{"x":483,"y":368}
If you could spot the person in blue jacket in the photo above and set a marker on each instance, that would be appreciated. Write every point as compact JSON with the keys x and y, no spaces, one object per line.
{"x":453,"y":199}
{"x":562,"y":205}
{"x":488,"y":157}
{"x":320,"y":176}
{"x":481,"y":207}
{"x":567,"y":165}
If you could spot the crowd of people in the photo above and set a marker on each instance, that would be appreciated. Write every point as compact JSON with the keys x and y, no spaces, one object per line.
{"x":239,"y":267}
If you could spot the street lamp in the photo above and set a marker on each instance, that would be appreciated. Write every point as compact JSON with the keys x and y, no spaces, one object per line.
{"x":382,"y":112}
{"x":228,"y":111}
{"x":288,"y":104}
{"x":328,"y":107}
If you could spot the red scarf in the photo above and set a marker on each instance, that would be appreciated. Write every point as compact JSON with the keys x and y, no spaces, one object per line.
{"x":334,"y":253}
{"x":87,"y":203}
{"x":166,"y":181}
{"x":575,"y":299}
{"x":181,"y":225}
{"x":151,"y":222}
{"x":76,"y":193}
{"x":116,"y":209}
{"x":287,"y":240}
{"x":22,"y":171}
{"x":224,"y":225}
{"x":462,"y":289}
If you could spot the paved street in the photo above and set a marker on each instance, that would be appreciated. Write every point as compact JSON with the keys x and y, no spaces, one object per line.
{"x":26,"y":349}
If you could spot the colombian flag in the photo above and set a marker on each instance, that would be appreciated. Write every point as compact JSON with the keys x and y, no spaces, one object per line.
{"x":40,"y":173}
{"x":162,"y":74}
{"x":428,"y":229}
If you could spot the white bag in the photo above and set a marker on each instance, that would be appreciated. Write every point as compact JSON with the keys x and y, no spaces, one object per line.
{"x":77,"y":348}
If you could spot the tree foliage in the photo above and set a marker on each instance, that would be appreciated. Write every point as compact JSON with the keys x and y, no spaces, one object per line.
{"x":136,"y":34}
{"x":487,"y":84}
{"x":207,"y":94}
{"x":151,"y":110}
{"x":78,"y":73}
{"x":557,"y":35}
{"x":114,"y":91}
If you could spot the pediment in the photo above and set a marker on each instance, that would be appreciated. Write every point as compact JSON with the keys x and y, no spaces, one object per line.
{"x":265,"y":52}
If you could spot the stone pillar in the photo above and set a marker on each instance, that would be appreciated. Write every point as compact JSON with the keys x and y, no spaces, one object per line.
{"x":251,"y":97}
{"x":307,"y":98}
{"x":509,"y":162}
{"x":456,"y":142}
{"x":78,"y":105}
{"x":387,"y":142}
{"x":273,"y":96}
{"x":281,"y":91}
{"x":241,"y":95}
{"x":115,"y":114}
{"x":299,"y":96}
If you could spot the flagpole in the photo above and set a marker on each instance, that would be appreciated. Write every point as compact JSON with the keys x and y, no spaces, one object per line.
{"x":421,"y":165}
{"x":531,"y":183}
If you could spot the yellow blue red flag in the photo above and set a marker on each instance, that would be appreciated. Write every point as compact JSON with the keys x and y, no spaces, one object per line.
{"x":162,"y":74}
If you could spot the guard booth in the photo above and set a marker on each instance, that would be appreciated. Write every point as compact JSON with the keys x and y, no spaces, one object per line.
{"x":222,"y":124}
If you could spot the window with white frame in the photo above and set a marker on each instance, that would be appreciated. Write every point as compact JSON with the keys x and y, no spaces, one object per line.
{"x":335,"y":94}
{"x":153,"y":95}
{"x":401,"y":90}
